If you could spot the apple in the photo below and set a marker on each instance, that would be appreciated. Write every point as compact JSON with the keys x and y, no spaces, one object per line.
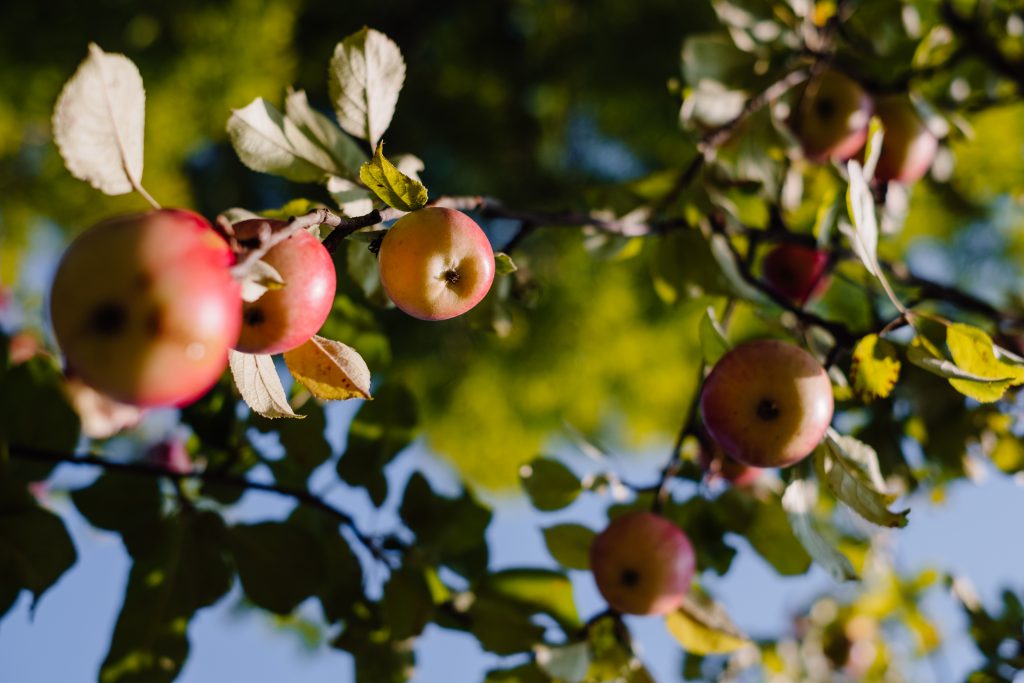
{"x":908,"y":147}
{"x":283,"y":319}
{"x":436,"y":263}
{"x":767,"y":403}
{"x":171,"y":455}
{"x":831,"y":118}
{"x":717,"y":465}
{"x":796,"y":272}
{"x":145,"y":308}
{"x":642,"y":563}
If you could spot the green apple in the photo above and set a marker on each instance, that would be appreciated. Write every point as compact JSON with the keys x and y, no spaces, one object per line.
{"x":831,"y":118}
{"x":767,"y":403}
{"x":642,"y":563}
{"x":144,"y":307}
{"x":436,"y":263}
{"x":283,"y":319}
{"x":908,"y":147}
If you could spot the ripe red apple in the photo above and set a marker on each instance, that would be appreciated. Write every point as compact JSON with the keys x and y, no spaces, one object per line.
{"x":767,"y":403}
{"x":831,"y":118}
{"x":642,"y":563}
{"x":283,"y":319}
{"x":717,"y":465}
{"x":796,"y":272}
{"x":908,"y":147}
{"x":436,"y":263}
{"x":145,"y":308}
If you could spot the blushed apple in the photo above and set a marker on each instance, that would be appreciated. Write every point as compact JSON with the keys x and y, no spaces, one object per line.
{"x":717,"y":465}
{"x":831,"y":118}
{"x":908,"y":146}
{"x":283,"y":319}
{"x":436,"y":263}
{"x":642,"y":563}
{"x":767,"y":403}
{"x":144,"y":307}
{"x":796,"y":272}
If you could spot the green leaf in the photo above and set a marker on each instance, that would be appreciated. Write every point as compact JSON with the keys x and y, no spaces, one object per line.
{"x":279,"y":563}
{"x":973,"y":350}
{"x":503,"y":264}
{"x":682,"y":266}
{"x":342,"y":586}
{"x":183,"y":571}
{"x":703,"y":627}
{"x":567,"y":664}
{"x":128,"y":504}
{"x":502,"y":627}
{"x":569,"y":544}
{"x":393,"y":187}
{"x":346,"y":154}
{"x":381,"y":430}
{"x":549,"y":484}
{"x":723,"y":256}
{"x":798,"y":501}
{"x":365,"y":76}
{"x":764,"y":524}
{"x":699,"y":519}
{"x":378,"y":656}
{"x":35,"y":550}
{"x":851,"y":486}
{"x":540,"y":590}
{"x":713,"y":342}
{"x":362,"y":267}
{"x":304,"y":442}
{"x":408,"y":604}
{"x":524,"y":673}
{"x":875,"y":367}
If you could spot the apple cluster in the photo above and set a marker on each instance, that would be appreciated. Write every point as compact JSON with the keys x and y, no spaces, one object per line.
{"x":831,"y":122}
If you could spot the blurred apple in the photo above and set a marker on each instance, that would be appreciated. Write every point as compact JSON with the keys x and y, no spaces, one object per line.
{"x":831,"y":118}
{"x":767,"y":403}
{"x":717,"y":465}
{"x":908,"y":147}
{"x":796,"y":272}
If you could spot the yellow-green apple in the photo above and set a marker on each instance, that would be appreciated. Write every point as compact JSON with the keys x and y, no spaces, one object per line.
{"x":144,"y":307}
{"x":831,"y":118}
{"x":436,"y":263}
{"x":717,"y":465}
{"x":767,"y":403}
{"x":642,"y":563}
{"x":796,"y":272}
{"x":908,"y":147}
{"x":285,"y":318}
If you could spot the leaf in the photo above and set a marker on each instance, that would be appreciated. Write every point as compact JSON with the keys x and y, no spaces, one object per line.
{"x":502,"y":627}
{"x":34,"y":410}
{"x":35,"y":549}
{"x":352,"y":199}
{"x":268,"y":142}
{"x":860,"y":204}
{"x":549,"y":484}
{"x":364,"y":78}
{"x":567,"y":663}
{"x":798,"y":502}
{"x":854,"y":489}
{"x":98,"y":122}
{"x":713,"y":342}
{"x":347,"y":155}
{"x":259,"y":384}
{"x":304,"y":442}
{"x":279,"y":563}
{"x":972,"y":350}
{"x":503,"y":264}
{"x":702,"y":627}
{"x":875,"y":367}
{"x":723,"y":255}
{"x":329,"y":369}
{"x":569,"y":544}
{"x":393,"y":187}
{"x":769,"y":532}
{"x":920,"y":356}
{"x":407,"y":605}
{"x":873,"y":148}
{"x":342,"y":586}
{"x":380,"y":431}
{"x":129,"y":505}
{"x":540,"y":590}
{"x":860,"y":455}
{"x":260,"y":278}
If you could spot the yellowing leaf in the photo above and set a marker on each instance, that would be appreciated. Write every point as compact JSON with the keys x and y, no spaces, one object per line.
{"x":329,"y":369}
{"x":258,"y":382}
{"x":392,"y":186}
{"x":875,"y":367}
{"x":972,"y":350}
{"x":703,"y":628}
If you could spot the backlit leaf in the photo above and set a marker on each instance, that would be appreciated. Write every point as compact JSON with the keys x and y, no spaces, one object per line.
{"x":852,"y":487}
{"x":973,"y":350}
{"x":393,"y":187}
{"x":259,"y":384}
{"x":269,"y":142}
{"x":702,"y":627}
{"x":329,"y":369}
{"x":798,"y":502}
{"x":569,"y":544}
{"x":347,"y":155}
{"x":365,"y":76}
{"x":875,"y":367}
{"x":713,"y":342}
{"x":549,"y":484}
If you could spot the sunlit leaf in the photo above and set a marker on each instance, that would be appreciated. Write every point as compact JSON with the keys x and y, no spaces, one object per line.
{"x":365,"y":76}
{"x":875,"y":367}
{"x":269,"y":142}
{"x":348,"y":156}
{"x":260,"y":278}
{"x":503,"y":264}
{"x":393,"y":187}
{"x":539,"y":590}
{"x":569,"y":544}
{"x":259,"y":384}
{"x":702,"y":627}
{"x":568,"y":663}
{"x":798,"y":502}
{"x":849,"y":485}
{"x":329,"y":369}
{"x":973,"y":350}
{"x":863,"y":233}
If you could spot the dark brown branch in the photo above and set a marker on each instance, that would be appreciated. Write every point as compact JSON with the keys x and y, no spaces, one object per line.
{"x":301,"y":496}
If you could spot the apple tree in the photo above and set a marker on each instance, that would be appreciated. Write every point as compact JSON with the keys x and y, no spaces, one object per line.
{"x":526,"y":268}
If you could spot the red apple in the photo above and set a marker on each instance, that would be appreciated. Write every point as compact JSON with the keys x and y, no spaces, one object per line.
{"x":170,"y":454}
{"x":831,"y":118}
{"x":283,"y":319}
{"x":796,"y":272}
{"x":145,"y":309}
{"x":717,"y":465}
{"x":436,"y":263}
{"x":908,"y":147}
{"x":642,"y":563}
{"x":767,"y":403}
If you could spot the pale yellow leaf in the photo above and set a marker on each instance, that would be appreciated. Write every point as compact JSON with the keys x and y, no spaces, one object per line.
{"x":329,"y":369}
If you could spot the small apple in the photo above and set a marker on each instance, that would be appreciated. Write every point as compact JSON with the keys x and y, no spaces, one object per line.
{"x":436,"y":263}
{"x":908,"y":147}
{"x":831,"y":118}
{"x":796,"y":272}
{"x":285,"y":318}
{"x":145,"y":309}
{"x":767,"y":403}
{"x":642,"y":563}
{"x":717,"y":465}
